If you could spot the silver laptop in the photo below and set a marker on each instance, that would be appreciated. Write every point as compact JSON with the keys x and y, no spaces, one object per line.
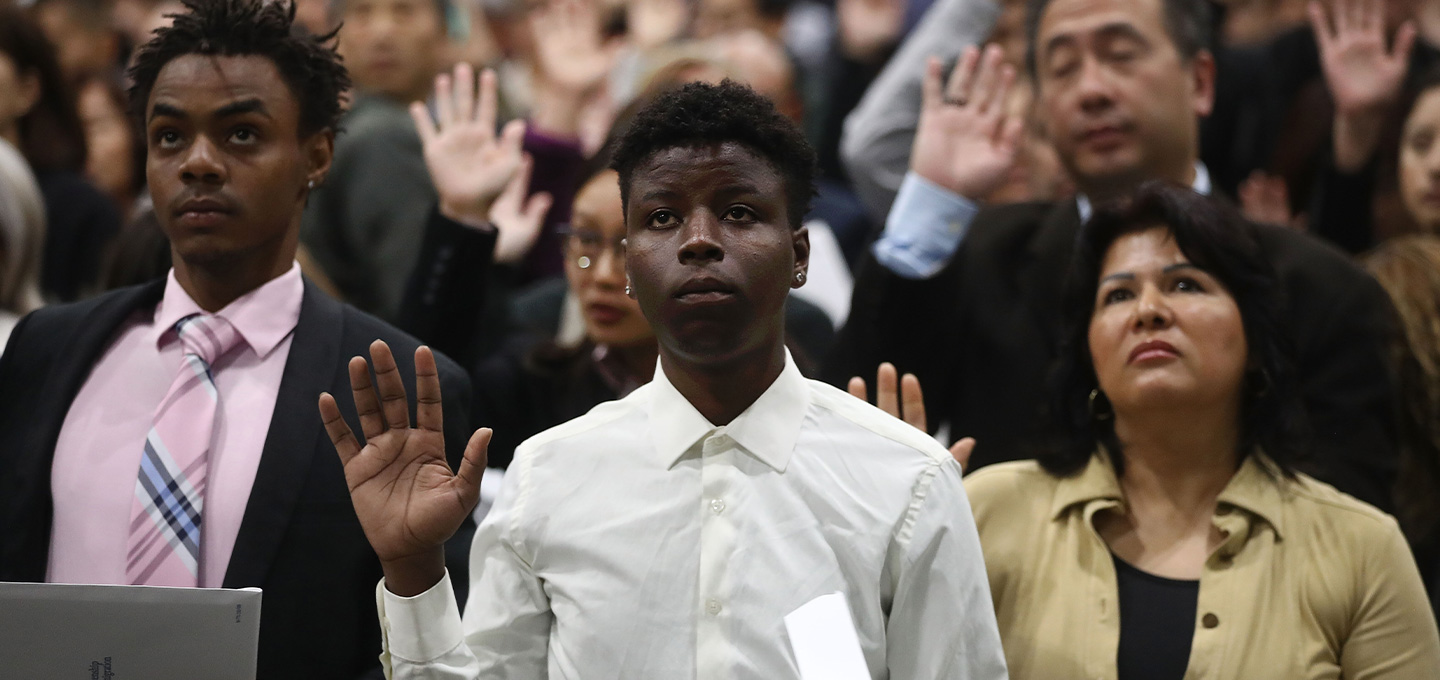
{"x":80,"y":632}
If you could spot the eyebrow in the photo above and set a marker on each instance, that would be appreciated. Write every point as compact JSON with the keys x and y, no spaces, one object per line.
{"x":1130,"y":276}
{"x":658,"y":194}
{"x":1110,"y":30}
{"x":235,"y":108}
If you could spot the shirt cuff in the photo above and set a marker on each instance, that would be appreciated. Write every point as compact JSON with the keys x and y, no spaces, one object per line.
{"x":421,"y":628}
{"x":924,"y":229}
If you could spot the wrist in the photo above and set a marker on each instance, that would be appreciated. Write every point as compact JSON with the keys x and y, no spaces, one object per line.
{"x":556,"y":111}
{"x":1355,"y":137}
{"x":474,"y":215}
{"x":414,"y":574}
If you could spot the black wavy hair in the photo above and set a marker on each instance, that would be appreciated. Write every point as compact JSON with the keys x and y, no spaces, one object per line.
{"x":52,"y":136}
{"x":309,"y":64}
{"x":1187,"y":22}
{"x":1215,"y":238}
{"x":701,"y":114}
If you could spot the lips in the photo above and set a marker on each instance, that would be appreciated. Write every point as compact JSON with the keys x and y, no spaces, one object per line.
{"x":1104,"y":135}
{"x":605,"y":314}
{"x":1153,"y":350}
{"x":704,"y":289}
{"x":203,"y":211}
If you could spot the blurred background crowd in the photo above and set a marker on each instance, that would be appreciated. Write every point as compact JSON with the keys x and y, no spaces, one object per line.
{"x":1325,"y":127}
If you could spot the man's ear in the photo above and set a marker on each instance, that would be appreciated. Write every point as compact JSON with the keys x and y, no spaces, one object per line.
{"x":800,"y":240}
{"x":1202,"y":72}
{"x":320,"y":152}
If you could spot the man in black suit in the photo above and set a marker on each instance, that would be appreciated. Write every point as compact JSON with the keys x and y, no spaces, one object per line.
{"x":240,"y":121}
{"x":968,"y":299}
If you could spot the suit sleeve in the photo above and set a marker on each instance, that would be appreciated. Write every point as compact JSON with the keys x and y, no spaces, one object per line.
{"x":875,"y":145}
{"x":915,"y":324}
{"x":1350,"y":395}
{"x":447,"y":289}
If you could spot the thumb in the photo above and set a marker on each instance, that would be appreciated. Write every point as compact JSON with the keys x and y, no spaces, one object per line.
{"x":961,"y":451}
{"x":472,"y":467}
{"x":536,"y":207}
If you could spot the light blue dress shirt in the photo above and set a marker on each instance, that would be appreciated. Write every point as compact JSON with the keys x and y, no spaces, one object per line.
{"x":928,"y":223}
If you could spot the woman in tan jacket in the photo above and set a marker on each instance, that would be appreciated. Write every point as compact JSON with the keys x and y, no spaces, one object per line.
{"x":1166,"y":533}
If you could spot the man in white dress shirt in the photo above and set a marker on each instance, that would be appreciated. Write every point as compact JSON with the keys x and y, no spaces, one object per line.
{"x":667,"y":535}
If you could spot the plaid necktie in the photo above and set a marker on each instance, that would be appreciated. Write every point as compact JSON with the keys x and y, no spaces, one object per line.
{"x":164,"y":545}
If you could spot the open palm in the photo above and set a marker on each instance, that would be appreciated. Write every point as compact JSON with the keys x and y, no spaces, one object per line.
{"x":408,"y":500}
{"x":1360,"y":71}
{"x":966,"y":141}
{"x":469,"y":164}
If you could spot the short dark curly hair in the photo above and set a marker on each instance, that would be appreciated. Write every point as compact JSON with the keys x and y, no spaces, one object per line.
{"x":309,"y":64}
{"x":1215,"y":238}
{"x":702,"y":114}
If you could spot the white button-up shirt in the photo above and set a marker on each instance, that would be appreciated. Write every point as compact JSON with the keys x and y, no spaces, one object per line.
{"x":640,"y":541}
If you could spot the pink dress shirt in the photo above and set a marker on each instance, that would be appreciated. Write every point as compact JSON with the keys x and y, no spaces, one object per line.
{"x":97,"y":456}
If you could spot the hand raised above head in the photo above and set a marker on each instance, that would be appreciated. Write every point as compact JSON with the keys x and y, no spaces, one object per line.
{"x":407,"y":498}
{"x":905,"y":400}
{"x":468,"y":163}
{"x":967,"y":140}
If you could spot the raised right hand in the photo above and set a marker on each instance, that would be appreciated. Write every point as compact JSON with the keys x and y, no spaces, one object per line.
{"x":408,"y":500}
{"x":967,"y":141}
{"x":469,"y":164}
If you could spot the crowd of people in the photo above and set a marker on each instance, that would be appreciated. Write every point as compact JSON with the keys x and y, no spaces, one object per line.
{"x":580,"y":287}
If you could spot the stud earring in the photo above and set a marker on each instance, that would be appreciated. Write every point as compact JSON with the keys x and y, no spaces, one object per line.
{"x":627,"y":288}
{"x":800,"y":277}
{"x":310,"y":184}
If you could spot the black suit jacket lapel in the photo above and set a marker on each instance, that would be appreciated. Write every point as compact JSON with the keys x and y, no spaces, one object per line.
{"x":32,"y":510}
{"x":293,"y":441}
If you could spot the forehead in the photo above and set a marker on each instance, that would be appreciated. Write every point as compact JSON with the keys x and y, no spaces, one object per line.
{"x":1426,"y":111}
{"x":697,"y":168}
{"x":1075,"y":18}
{"x":198,"y":84}
{"x":1149,"y":249}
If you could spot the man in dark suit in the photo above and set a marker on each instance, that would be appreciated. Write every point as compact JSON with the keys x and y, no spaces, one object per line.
{"x":240,"y":122}
{"x":968,"y":299}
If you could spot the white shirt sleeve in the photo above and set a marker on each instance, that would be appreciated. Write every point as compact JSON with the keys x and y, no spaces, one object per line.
{"x":942,"y":620}
{"x":506,"y":629}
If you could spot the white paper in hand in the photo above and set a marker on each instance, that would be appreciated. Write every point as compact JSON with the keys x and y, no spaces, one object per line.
{"x":822,"y":635}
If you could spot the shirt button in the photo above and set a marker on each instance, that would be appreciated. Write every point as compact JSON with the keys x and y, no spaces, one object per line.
{"x":712,"y":607}
{"x":1210,"y":621}
{"x":717,"y":506}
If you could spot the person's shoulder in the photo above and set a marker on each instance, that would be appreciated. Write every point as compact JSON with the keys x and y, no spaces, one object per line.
{"x":360,"y":328}
{"x":553,"y":444}
{"x":1295,"y":252}
{"x":65,"y":318}
{"x":1007,"y":483}
{"x":1331,"y":509}
{"x":870,"y":419}
{"x":1014,"y":226}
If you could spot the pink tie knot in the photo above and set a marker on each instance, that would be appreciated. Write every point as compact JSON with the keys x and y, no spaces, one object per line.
{"x":207,"y":336}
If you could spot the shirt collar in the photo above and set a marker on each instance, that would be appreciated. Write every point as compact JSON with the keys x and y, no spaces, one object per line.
{"x":1256,"y":488}
{"x":1201,"y":185}
{"x":768,"y":429}
{"x":263,"y":317}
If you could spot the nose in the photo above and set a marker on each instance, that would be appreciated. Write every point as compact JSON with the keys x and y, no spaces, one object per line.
{"x":1152,"y":312}
{"x":702,"y":239}
{"x":610,"y":268}
{"x":202,"y":163}
{"x":1094,"y":86}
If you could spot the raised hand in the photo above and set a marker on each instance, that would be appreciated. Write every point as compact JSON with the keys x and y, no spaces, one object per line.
{"x":905,"y":401}
{"x":469,"y":164}
{"x":1363,"y":76}
{"x":653,"y":23}
{"x":407,"y":498}
{"x":967,"y":141}
{"x":518,"y":219}
{"x":867,"y":27}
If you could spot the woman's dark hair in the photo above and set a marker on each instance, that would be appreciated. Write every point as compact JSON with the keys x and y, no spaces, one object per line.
{"x":309,"y":64}
{"x":51,"y":136}
{"x":701,"y":114}
{"x":1220,"y":242}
